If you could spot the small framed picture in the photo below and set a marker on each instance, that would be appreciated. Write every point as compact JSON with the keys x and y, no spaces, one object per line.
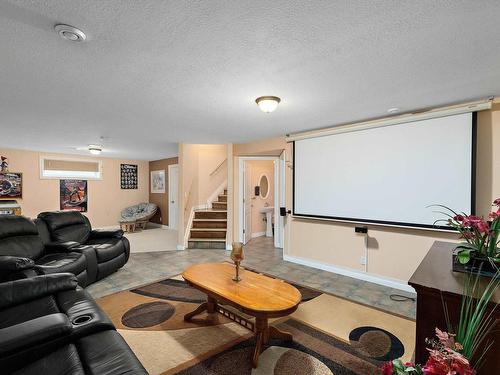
{"x":158,"y":181}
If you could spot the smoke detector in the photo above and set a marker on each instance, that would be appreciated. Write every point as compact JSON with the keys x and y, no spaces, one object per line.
{"x":70,"y":33}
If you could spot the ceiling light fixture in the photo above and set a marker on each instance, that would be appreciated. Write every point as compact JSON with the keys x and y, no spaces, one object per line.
{"x":268,"y":104}
{"x":393,"y":110}
{"x":95,"y":149}
{"x":70,"y":33}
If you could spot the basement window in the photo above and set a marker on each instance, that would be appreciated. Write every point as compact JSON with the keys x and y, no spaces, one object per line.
{"x":52,"y":168}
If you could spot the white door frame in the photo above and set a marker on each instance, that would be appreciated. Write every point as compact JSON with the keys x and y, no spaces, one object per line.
{"x":171,"y":218}
{"x":278,"y":227}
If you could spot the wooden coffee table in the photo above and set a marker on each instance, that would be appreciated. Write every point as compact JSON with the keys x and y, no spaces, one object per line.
{"x":256,"y":295}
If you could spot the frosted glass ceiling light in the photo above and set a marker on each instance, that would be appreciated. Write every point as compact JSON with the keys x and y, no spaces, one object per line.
{"x":95,"y":149}
{"x":268,"y":104}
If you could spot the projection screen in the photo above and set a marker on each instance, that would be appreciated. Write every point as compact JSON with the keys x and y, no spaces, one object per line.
{"x":388,"y":175}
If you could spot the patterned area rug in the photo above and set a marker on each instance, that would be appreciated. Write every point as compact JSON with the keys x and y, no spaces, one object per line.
{"x":331,"y":335}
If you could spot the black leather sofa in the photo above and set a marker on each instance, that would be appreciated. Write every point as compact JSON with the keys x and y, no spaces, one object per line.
{"x":23,"y":253}
{"x":59,"y":242}
{"x":49,"y":325}
{"x":71,"y":228}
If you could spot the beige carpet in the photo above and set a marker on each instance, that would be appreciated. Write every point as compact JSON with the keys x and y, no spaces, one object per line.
{"x":153,"y":239}
{"x":331,"y":335}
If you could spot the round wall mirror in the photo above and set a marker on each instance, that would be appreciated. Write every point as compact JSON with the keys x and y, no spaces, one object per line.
{"x":264,"y":186}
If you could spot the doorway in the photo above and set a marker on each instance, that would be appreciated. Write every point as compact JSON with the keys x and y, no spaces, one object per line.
{"x":173,"y":192}
{"x":261,"y":193}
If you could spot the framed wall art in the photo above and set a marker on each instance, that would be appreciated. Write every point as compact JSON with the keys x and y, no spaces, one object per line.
{"x":73,"y":195}
{"x":11,"y":185}
{"x":128,"y":176}
{"x":158,"y":181}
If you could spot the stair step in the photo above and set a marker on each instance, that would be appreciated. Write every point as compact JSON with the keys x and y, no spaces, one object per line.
{"x":208,"y":233}
{"x":213,"y":214}
{"x":209,"y":229}
{"x":206,"y":243}
{"x":219,"y":205}
{"x":222,"y":198}
{"x":210,"y":223}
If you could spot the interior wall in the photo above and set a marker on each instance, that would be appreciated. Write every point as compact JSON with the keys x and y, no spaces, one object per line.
{"x":257,"y":169}
{"x":393,"y":253}
{"x":105,"y":197}
{"x":161,"y":199}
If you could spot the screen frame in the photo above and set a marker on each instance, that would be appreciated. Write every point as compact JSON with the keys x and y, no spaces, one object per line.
{"x":396,"y":223}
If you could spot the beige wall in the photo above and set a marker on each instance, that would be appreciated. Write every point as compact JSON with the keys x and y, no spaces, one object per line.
{"x":394,"y":253}
{"x":161,"y":199}
{"x":106,"y":199}
{"x":257,"y":169}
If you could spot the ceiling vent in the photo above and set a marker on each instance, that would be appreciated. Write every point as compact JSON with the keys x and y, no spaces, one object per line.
{"x":70,"y":33}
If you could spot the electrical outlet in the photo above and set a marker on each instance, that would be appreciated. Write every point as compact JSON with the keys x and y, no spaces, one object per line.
{"x":362,"y":260}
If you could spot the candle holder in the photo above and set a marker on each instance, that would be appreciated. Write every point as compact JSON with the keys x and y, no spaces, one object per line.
{"x":237,"y":257}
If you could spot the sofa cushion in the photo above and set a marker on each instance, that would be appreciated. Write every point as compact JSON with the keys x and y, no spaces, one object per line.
{"x":66,"y":226}
{"x":19,"y":237}
{"x":63,"y":361}
{"x":106,"y":248}
{"x":74,"y":263}
{"x":28,"y":310}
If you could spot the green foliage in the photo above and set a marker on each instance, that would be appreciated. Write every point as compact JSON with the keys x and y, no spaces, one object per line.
{"x":475,"y":322}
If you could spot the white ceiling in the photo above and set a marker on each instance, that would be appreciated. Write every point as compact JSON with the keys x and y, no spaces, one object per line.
{"x":154,"y":73}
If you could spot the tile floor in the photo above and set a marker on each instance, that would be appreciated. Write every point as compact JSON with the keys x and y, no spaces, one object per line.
{"x":260,"y":255}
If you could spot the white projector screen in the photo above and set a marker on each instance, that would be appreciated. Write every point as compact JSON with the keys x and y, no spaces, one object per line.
{"x":388,"y":175}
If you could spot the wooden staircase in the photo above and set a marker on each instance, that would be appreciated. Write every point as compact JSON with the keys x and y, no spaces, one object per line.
{"x":210,"y":226}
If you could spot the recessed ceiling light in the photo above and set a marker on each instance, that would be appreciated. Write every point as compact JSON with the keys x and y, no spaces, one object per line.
{"x":70,"y":33}
{"x":95,"y":149}
{"x":268,"y":104}
{"x":393,"y":110}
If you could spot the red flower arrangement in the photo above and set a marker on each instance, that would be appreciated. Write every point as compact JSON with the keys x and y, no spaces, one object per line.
{"x":444,"y":359}
{"x":481,"y":236}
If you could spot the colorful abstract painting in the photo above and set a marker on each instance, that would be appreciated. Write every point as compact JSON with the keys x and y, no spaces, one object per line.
{"x":73,"y":195}
{"x":11,"y":185}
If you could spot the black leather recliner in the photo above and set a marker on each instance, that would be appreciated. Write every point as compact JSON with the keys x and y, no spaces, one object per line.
{"x":112,"y":249}
{"x":23,"y":254}
{"x":48,"y":325}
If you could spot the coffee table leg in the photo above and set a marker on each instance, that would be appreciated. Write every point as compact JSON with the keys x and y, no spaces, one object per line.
{"x":198,"y":310}
{"x":279,"y":334}
{"x":263,"y":332}
{"x":211,"y":305}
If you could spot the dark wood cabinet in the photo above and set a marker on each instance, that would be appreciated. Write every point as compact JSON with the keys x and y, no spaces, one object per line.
{"x":438,"y":286}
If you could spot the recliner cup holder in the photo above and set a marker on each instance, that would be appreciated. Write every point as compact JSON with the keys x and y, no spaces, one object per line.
{"x":82,"y":319}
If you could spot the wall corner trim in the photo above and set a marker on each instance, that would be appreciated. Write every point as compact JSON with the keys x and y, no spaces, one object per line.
{"x":391,"y":283}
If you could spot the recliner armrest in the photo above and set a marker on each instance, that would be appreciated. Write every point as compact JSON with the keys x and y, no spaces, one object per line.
{"x":106,"y":233}
{"x":18,"y":291}
{"x":13,"y":264}
{"x":60,"y":247}
{"x":32,"y":332}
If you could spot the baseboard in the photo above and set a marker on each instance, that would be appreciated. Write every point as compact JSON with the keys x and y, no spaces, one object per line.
{"x":229,"y":247}
{"x":391,"y":283}
{"x":181,"y":247}
{"x":258,"y":234}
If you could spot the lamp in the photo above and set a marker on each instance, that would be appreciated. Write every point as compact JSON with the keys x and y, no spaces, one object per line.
{"x":268,"y":104}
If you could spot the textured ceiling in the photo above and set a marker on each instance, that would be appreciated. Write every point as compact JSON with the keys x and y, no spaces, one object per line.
{"x":154,"y":73}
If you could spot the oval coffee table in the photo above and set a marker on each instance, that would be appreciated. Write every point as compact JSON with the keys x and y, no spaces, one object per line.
{"x":256,"y":295}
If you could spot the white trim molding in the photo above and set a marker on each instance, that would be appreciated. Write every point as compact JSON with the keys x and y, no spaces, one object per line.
{"x":391,"y":283}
